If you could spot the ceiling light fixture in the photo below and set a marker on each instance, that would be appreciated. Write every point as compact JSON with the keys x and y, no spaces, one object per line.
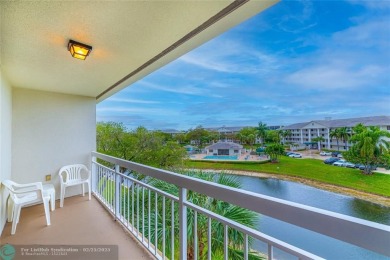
{"x":79,"y":50}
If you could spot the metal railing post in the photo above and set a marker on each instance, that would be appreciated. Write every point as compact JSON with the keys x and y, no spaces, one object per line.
{"x":183,"y":223}
{"x":93,"y":174}
{"x":117,"y":192}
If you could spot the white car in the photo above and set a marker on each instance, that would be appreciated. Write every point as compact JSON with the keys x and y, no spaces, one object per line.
{"x":340,"y":163}
{"x":295,"y":155}
{"x":349,"y":165}
{"x":323,"y":153}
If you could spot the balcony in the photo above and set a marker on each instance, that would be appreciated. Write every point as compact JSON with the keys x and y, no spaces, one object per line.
{"x":145,"y":228}
{"x":145,"y":211}
{"x":79,"y":222}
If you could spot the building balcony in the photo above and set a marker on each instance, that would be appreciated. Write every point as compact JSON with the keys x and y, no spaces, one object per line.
{"x":79,"y":222}
{"x":147,"y":222}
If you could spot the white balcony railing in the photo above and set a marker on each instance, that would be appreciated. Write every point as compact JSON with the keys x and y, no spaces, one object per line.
{"x":143,"y":210}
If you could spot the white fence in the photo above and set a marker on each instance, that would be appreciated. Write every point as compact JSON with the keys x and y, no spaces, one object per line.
{"x":149,"y":214}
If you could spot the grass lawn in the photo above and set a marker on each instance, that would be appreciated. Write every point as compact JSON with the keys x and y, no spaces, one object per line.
{"x":309,"y":169}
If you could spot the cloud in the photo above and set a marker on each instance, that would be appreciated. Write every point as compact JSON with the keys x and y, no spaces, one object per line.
{"x":299,"y":19}
{"x":295,"y":68}
{"x":365,"y":34}
{"x":333,"y":77}
{"x":137,"y":110}
{"x":175,"y":88}
{"x":372,"y":4}
{"x":354,"y":58}
{"x":134,"y":121}
{"x":132,"y":101}
{"x":229,"y":56}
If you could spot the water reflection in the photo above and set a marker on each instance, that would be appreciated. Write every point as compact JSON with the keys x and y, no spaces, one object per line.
{"x":275,"y":185}
{"x":308,"y":240}
{"x":370,"y":211}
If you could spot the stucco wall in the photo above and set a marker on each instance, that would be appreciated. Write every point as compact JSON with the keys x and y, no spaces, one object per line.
{"x":50,"y":130}
{"x":5,"y":142}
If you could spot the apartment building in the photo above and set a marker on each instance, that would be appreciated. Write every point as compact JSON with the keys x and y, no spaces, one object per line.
{"x":304,"y":133}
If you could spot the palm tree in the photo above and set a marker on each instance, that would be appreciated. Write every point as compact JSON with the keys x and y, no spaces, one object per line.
{"x":262,"y":131}
{"x":335,"y":133}
{"x":319,"y":139}
{"x":369,"y":146}
{"x":240,"y":137}
{"x":251,"y":139}
{"x":285,"y":134}
{"x":344,"y":135}
{"x":273,"y":136}
{"x":358,"y":128}
{"x":224,"y":209}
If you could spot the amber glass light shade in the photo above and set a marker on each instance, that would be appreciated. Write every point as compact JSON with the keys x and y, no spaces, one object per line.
{"x":79,"y":50}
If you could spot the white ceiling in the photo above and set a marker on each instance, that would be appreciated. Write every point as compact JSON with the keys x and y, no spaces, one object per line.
{"x":124,"y":35}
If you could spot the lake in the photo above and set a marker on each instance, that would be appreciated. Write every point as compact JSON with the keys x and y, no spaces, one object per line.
{"x":320,"y":245}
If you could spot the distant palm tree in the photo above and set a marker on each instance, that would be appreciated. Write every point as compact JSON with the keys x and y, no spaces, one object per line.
{"x":335,"y":133}
{"x":262,"y":131}
{"x":240,"y":137}
{"x":251,"y":139}
{"x":273,"y":136}
{"x":344,"y":135}
{"x":319,"y":139}
{"x":285,"y":134}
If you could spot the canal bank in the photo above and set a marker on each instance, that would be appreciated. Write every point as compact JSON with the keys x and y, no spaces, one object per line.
{"x":381,"y":200}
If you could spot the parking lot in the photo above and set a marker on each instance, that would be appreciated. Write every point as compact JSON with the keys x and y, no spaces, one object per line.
{"x":315,"y":154}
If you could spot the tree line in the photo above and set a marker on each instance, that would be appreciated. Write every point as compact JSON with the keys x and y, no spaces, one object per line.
{"x":247,"y":135}
{"x":151,"y":148}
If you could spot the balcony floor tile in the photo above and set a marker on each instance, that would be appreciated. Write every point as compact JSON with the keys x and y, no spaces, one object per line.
{"x":79,"y":222}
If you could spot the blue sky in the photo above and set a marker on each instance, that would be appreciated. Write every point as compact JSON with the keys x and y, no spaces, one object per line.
{"x":297,"y":61}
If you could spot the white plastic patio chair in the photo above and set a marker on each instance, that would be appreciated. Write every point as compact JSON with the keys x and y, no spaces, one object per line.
{"x":71,"y":175}
{"x":22,"y":195}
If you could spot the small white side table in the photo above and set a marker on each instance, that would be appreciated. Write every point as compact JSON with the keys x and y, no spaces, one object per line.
{"x":49,"y":189}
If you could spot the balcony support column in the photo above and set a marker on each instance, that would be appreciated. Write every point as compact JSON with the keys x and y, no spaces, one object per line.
{"x":183,"y":223}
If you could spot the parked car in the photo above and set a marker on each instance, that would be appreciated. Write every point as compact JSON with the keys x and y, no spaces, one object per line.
{"x":288,"y":153}
{"x":331,"y":160}
{"x":323,"y":153}
{"x":335,"y":154}
{"x":349,"y":165}
{"x":295,"y":155}
{"x":362,"y":167}
{"x":339,"y":163}
{"x":358,"y":165}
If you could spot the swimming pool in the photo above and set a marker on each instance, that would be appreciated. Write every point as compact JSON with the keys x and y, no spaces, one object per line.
{"x":221,"y":157}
